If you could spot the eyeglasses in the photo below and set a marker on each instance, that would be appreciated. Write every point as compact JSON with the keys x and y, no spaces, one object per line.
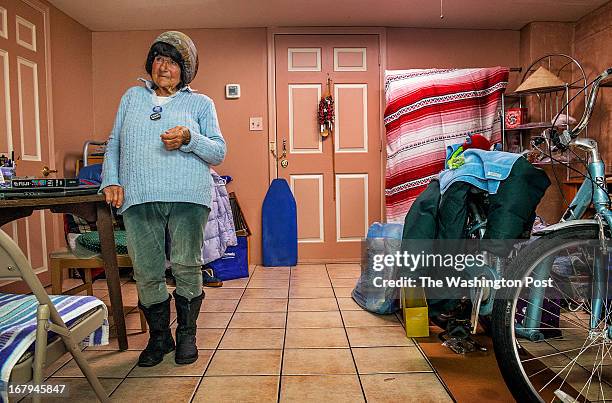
{"x":164,"y":59}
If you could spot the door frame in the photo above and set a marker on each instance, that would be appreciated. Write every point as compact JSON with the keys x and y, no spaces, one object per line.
{"x":45,"y":10}
{"x":382,"y":66}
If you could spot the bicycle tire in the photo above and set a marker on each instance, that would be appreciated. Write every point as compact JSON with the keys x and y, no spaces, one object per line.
{"x":506,"y":350}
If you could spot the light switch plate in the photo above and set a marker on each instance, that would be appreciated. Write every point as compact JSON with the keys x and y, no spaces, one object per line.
{"x":256,"y":124}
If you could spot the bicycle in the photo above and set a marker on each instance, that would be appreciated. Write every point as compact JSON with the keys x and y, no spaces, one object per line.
{"x":556,"y":342}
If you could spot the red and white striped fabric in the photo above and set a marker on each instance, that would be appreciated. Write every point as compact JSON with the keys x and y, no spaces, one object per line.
{"x":428,"y":110}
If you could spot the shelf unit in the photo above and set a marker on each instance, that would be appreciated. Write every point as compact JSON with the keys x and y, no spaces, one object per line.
{"x":543,"y":104}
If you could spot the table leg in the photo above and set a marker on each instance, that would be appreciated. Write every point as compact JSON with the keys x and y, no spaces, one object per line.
{"x":109,"y":255}
{"x":56,"y":276}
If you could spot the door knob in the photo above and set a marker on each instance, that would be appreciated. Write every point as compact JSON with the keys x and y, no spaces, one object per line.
{"x":46,"y":171}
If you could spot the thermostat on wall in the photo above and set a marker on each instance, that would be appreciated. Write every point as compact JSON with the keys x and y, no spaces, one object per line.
{"x":232,"y":91}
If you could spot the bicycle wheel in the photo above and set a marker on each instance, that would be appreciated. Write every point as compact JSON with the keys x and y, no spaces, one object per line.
{"x":545,"y":350}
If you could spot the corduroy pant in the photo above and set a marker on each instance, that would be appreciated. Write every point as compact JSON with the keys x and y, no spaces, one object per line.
{"x":145,"y":226}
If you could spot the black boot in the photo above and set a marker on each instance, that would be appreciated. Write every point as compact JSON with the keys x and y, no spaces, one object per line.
{"x":186,"y":316}
{"x":160,"y":336}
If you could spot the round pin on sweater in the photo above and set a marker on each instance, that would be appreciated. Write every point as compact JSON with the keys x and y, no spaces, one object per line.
{"x":156,"y":115}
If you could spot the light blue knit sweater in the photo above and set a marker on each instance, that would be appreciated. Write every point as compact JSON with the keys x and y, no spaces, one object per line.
{"x":136,"y":159}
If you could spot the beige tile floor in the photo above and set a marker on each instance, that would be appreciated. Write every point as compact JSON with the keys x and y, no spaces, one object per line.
{"x":283,"y":334}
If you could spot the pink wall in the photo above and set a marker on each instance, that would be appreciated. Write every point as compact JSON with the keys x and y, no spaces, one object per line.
{"x":71,"y":66}
{"x":426,"y":48}
{"x":226,"y":56}
{"x":541,"y":38}
{"x":72,"y":97}
{"x":592,"y":40}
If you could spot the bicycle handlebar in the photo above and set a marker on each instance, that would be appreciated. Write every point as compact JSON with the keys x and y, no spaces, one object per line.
{"x":590,"y":104}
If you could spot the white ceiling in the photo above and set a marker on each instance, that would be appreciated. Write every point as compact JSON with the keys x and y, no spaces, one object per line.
{"x":121,"y":15}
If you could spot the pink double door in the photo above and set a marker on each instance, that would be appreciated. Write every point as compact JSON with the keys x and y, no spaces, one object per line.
{"x":336,"y":182}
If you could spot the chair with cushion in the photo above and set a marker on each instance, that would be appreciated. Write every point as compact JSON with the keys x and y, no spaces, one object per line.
{"x":26,"y":320}
{"x":85,"y":234}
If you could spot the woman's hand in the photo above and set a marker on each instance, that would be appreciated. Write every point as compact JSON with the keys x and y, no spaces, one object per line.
{"x":176,"y":137}
{"x":113,"y":195}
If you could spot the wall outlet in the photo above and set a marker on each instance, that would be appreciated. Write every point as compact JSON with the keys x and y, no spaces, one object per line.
{"x":256,"y":124}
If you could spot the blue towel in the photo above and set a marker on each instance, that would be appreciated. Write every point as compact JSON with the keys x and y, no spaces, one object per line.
{"x":483,"y":169}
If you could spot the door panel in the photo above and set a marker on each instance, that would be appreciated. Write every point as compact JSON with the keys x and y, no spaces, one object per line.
{"x":336,"y":181}
{"x":6,"y":141}
{"x":304,"y":59}
{"x":29,"y":119}
{"x":303,"y":133}
{"x":308,"y":193}
{"x":24,"y":114}
{"x":351,"y":102}
{"x":351,"y":207}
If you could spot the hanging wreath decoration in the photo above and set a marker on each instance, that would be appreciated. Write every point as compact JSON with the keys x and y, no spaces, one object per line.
{"x":325,"y":114}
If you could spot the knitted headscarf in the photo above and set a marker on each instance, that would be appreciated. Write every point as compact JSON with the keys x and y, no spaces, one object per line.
{"x":184,"y":45}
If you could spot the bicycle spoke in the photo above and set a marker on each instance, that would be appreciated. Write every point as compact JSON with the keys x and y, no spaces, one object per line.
{"x":567,"y":297}
{"x":599,"y":373}
{"x":597,"y":369}
{"x":538,"y":373}
{"x":553,"y":314}
{"x":549,"y":328}
{"x":559,"y":352}
{"x":572,"y":362}
{"x":560,"y":307}
{"x":586,"y":260}
{"x":595,"y":365}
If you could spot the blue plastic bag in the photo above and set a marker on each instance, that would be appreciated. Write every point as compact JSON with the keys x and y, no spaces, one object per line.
{"x":234,"y":263}
{"x":381,"y":239}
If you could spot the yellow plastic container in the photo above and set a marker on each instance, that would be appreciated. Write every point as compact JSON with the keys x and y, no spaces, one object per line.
{"x":415,"y":312}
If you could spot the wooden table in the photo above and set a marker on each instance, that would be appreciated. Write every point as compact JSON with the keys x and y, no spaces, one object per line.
{"x":92,"y":208}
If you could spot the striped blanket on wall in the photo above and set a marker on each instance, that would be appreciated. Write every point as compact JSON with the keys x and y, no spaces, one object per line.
{"x":18,"y":325}
{"x":427,"y":110}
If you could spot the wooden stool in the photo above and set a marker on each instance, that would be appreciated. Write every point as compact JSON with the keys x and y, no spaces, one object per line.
{"x":64,"y":259}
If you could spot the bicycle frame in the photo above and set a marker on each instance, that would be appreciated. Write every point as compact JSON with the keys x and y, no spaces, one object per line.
{"x":591,"y":190}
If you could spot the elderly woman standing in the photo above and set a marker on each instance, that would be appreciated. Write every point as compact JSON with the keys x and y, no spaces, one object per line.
{"x":156,"y":171}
